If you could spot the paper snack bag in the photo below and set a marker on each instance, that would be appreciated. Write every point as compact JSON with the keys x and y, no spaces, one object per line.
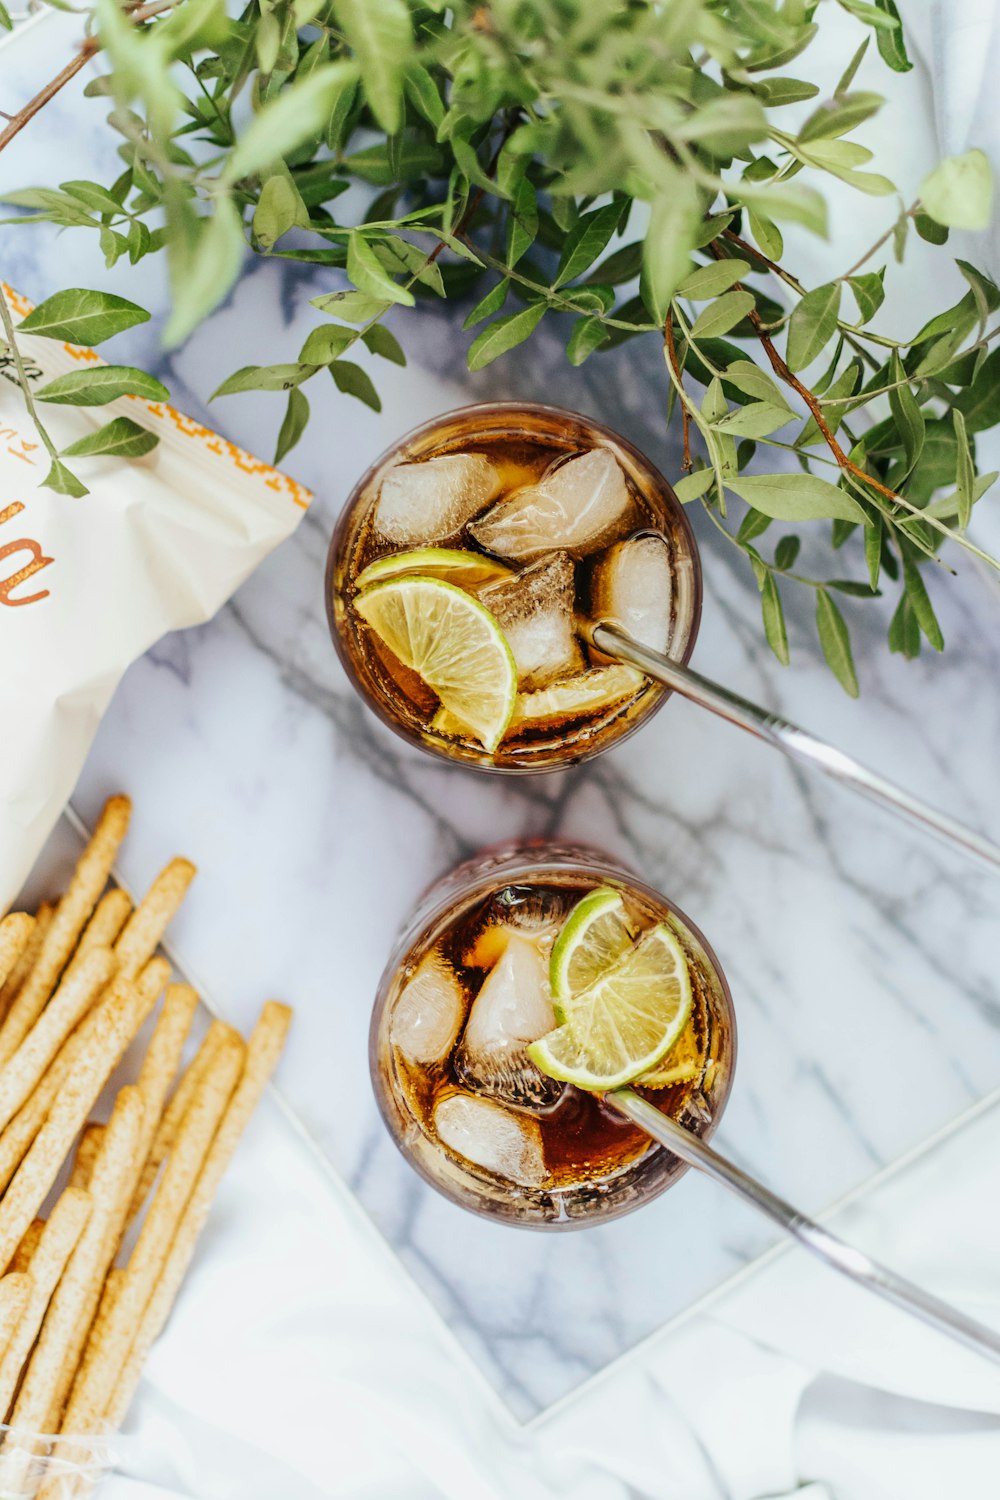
{"x":89,"y":584}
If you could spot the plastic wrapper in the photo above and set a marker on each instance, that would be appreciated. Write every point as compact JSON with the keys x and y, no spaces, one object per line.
{"x":87,"y":585}
{"x":58,"y":1468}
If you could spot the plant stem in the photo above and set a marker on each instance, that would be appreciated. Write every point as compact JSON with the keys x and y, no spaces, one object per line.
{"x":29,"y":400}
{"x":668,"y":333}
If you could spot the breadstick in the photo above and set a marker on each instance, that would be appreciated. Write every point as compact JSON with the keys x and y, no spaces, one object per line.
{"x":53,"y":1363}
{"x":86,"y":1154}
{"x":111,"y":1337}
{"x":166,"y":1129}
{"x":15,"y":934}
{"x":14,"y":1289}
{"x":104,"y":927}
{"x":23,"y":1129}
{"x":147,"y":924}
{"x":72,"y":913}
{"x":58,"y":1239}
{"x":263,"y":1050}
{"x":21,"y":1259}
{"x":115,"y":1022}
{"x":71,"y":1001}
{"x":163,"y":1056}
{"x":29,"y":953}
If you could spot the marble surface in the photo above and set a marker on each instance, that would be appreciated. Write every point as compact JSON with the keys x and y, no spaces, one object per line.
{"x":861,"y":958}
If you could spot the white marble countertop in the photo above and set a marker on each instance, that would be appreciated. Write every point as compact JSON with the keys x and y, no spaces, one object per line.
{"x":861,"y":958}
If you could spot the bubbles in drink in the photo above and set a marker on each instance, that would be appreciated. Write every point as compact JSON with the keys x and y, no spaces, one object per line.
{"x":535,"y":612}
{"x":430,"y":501}
{"x":492,"y":1137}
{"x":578,"y":506}
{"x":632,"y":587}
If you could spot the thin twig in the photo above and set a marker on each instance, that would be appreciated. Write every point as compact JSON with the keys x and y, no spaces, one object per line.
{"x":668,"y":334}
{"x":88,"y":48}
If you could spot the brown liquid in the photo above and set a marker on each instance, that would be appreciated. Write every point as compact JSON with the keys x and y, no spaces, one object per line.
{"x":583,"y":1140}
{"x":521,"y":457}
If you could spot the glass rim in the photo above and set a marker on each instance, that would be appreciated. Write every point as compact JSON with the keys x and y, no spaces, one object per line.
{"x":454,"y":755}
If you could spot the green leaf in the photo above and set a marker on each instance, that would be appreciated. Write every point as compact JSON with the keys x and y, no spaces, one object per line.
{"x":353,"y":307}
{"x":380,"y":36}
{"x":92,"y":196}
{"x":354,"y":381}
{"x":99,"y":384}
{"x":120,"y":437}
{"x":904,"y":632}
{"x":758,"y":419}
{"x":923,"y":610}
{"x":840,"y":115}
{"x":774,"y":619}
{"x":673,"y":224}
{"x":621,"y":265}
{"x":959,"y":191}
{"x":5,"y":19}
{"x":588,"y":334}
{"x":721,"y":315}
{"x":64,"y":481}
{"x":965,"y":476}
{"x":980,"y":402}
{"x":836,"y":642}
{"x":869,"y":292}
{"x":82,"y":317}
{"x":813,"y":324}
{"x":891,"y":44}
{"x":522,"y":222}
{"x":767,"y":235}
{"x":874,"y":533}
{"x":277,"y":211}
{"x":370,"y":276}
{"x":325,"y":343}
{"x":753,"y":525}
{"x":422,"y":92}
{"x":294,"y":424}
{"x":297,"y":112}
{"x":712,"y":280}
{"x":726,"y":124}
{"x":930,"y":230}
{"x":776,"y":92}
{"x":203,"y":273}
{"x":753,"y":381}
{"x":850,"y":72}
{"x":490,"y":304}
{"x":264,"y":378}
{"x":796,"y":497}
{"x":907,"y":415}
{"x":383,"y":343}
{"x":504,"y":334}
{"x":588,"y":239}
{"x":693,"y":486}
{"x":786,"y":552}
{"x":788,"y":201}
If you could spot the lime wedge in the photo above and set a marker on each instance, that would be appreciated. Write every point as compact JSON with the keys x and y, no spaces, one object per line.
{"x":586,"y":693}
{"x":453,"y":642}
{"x":466,"y":569}
{"x":626,"y":1022}
{"x":593,"y":938}
{"x":683,"y":1062}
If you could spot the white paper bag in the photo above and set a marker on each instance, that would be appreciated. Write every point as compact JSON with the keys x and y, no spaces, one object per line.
{"x":87,"y":585}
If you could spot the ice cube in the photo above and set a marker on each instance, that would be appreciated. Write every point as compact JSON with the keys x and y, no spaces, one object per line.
{"x":535,"y":612}
{"x":632,"y":586}
{"x":426,"y":1018}
{"x":432,"y":500}
{"x":577,"y":506}
{"x":490,"y":1136}
{"x":537,"y":914}
{"x":577,"y":697}
{"x":513,"y":1008}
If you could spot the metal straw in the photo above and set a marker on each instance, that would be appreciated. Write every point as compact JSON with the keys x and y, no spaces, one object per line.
{"x":829,"y":1247}
{"x":797,"y":743}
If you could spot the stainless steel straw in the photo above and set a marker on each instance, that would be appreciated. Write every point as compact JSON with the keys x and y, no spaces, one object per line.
{"x":829,"y":1247}
{"x":797,"y":743}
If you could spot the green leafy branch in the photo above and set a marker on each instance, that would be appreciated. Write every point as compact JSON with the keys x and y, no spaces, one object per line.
{"x":623,"y":169}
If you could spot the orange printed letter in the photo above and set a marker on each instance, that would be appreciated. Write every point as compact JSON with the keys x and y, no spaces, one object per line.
{"x":38,"y":561}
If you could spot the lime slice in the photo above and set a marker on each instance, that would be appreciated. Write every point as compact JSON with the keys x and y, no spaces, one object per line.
{"x":586,"y":693}
{"x":453,"y":642}
{"x":593,"y":938}
{"x":683,"y":1062}
{"x":626,"y":1022}
{"x":466,"y":569}
{"x":445,"y":722}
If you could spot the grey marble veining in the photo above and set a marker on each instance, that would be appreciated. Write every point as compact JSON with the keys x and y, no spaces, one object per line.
{"x":862,"y":958}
